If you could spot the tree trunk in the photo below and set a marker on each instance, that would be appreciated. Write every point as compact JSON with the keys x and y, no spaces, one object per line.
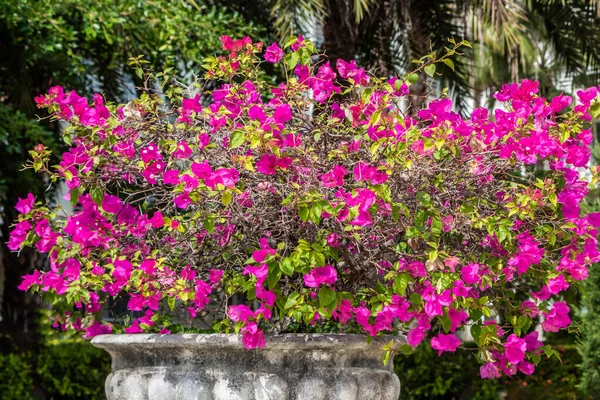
{"x":420,"y":46}
{"x":340,"y":31}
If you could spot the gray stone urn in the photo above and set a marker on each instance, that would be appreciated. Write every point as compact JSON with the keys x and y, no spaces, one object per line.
{"x":217,"y":367}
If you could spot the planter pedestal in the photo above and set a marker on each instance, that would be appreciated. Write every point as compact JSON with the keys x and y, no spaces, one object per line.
{"x":217,"y":367}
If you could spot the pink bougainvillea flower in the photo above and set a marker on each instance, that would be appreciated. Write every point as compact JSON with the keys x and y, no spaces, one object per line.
{"x":25,"y":205}
{"x":489,"y":371}
{"x":265,"y":251}
{"x":529,"y":253}
{"x":215,"y":275}
{"x":319,"y":276}
{"x":283,"y":113}
{"x":157,"y":220}
{"x":532,"y":342}
{"x":267,"y":296}
{"x":18,"y":235}
{"x":335,"y":177}
{"x":30,"y":280}
{"x":192,"y":104}
{"x":47,"y":238}
{"x":240,"y":312}
{"x":470,"y":274}
{"x":171,"y":177}
{"x":253,"y":337}
{"x":333,"y":240}
{"x":298,"y":43}
{"x":443,"y":343}
{"x":227,"y":177}
{"x":134,"y":328}
{"x":122,"y":271}
{"x":259,"y":272}
{"x":182,"y":151}
{"x":366,"y":172}
{"x":112,"y":204}
{"x":182,"y":201}
{"x":97,"y":328}
{"x":558,"y":317}
{"x":514,"y":349}
{"x":349,"y":70}
{"x":150,"y":153}
{"x":273,"y":53}
{"x":201,"y":170}
{"x":557,"y":285}
{"x":415,"y":336}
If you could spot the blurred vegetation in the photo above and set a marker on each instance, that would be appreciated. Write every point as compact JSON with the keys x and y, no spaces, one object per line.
{"x":424,"y":375}
{"x":83,"y":45}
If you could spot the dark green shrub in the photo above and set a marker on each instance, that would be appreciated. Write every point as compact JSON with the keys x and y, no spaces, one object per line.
{"x":424,"y":375}
{"x":63,"y":371}
{"x":16,"y":376}
{"x":73,"y":371}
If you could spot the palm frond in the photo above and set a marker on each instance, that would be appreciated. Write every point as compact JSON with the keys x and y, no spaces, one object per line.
{"x":289,"y":14}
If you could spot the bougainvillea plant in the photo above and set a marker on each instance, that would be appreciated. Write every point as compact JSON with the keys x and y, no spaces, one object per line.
{"x":318,"y":204}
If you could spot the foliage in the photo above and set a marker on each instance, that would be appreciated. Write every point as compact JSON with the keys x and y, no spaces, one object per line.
{"x":16,"y":133}
{"x":74,"y":370}
{"x":65,"y":370}
{"x":85,"y":45}
{"x":424,"y":375}
{"x":16,"y":380}
{"x":326,"y":205}
{"x":88,"y":43}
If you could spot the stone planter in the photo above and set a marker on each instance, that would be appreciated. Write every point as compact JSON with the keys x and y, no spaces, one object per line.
{"x":217,"y":367}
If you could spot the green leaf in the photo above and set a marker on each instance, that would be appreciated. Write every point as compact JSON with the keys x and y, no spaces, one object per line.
{"x":476,"y":332}
{"x":303,"y":213}
{"x":326,"y":297}
{"x":424,"y":198}
{"x":286,"y":266}
{"x":291,"y":40}
{"x":398,"y":84}
{"x":237,"y":139}
{"x":97,"y":195}
{"x":291,"y":60}
{"x":387,"y":355}
{"x":209,"y":225}
{"x":406,"y":349}
{"x":226,"y":198}
{"x":273,"y":277}
{"x":74,"y":197}
{"x":412,"y":78}
{"x":401,"y":283}
{"x":449,"y":63}
{"x":291,"y":301}
{"x":430,"y":70}
{"x":171,"y":303}
{"x":446,"y":323}
{"x":304,"y":56}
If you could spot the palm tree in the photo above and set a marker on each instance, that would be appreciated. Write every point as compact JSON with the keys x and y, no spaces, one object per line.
{"x":513,"y":38}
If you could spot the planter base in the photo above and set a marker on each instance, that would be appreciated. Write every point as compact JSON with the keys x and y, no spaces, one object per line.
{"x":217,"y":367}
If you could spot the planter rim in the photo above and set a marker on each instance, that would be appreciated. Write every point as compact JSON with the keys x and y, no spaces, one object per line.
{"x":334,"y":341}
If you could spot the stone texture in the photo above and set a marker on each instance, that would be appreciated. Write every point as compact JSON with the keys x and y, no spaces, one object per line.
{"x":217,"y":367}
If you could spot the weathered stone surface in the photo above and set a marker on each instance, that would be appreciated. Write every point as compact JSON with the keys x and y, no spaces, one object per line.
{"x":217,"y":367}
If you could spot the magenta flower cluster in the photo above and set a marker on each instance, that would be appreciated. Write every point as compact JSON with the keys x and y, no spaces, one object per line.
{"x":318,"y":204}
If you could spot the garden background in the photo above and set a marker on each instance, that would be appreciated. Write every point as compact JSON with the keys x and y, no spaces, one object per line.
{"x":86,"y":45}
